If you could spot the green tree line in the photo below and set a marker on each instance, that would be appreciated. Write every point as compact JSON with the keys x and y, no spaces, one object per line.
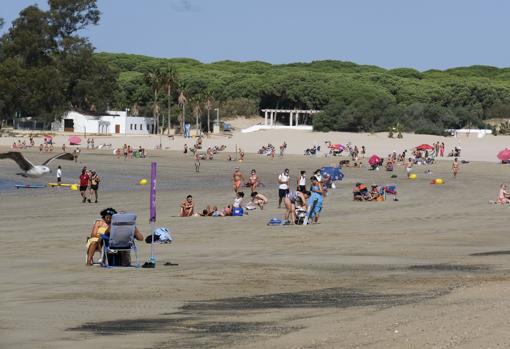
{"x":353,"y":97}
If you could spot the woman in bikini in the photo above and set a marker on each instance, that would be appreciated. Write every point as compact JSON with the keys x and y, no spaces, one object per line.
{"x":253,"y":181}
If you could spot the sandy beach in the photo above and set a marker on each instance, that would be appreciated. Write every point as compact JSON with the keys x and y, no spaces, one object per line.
{"x":473,"y":147}
{"x":428,"y":271}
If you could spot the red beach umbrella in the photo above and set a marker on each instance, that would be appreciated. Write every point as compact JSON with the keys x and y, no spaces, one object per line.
{"x":48,"y":136}
{"x":374,"y":160}
{"x":74,"y":140}
{"x":424,"y":147}
{"x":504,"y":155}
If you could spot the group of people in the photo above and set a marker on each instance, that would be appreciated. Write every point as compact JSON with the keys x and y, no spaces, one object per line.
{"x":89,"y":185}
{"x":130,"y":152}
{"x":362,"y":193}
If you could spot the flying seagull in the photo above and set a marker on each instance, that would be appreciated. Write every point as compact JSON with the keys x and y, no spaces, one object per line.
{"x":31,"y":170}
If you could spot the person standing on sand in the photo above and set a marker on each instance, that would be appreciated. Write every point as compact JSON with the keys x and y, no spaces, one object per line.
{"x":283,"y":186}
{"x":76,"y":153}
{"x":94,"y":185}
{"x":237,"y":178}
{"x":409,"y":166}
{"x":301,"y":182}
{"x":253,"y":181}
{"x":455,"y":167}
{"x":197,"y":162}
{"x":441,"y":149}
{"x":84,"y":184}
{"x":59,"y":175}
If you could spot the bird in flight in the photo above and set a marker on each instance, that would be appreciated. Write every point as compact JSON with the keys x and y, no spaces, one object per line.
{"x":31,"y":170}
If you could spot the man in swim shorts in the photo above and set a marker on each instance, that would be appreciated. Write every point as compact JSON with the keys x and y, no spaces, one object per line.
{"x":84,"y":184}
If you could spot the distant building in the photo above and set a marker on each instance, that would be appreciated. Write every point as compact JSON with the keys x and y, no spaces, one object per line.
{"x":113,"y":122}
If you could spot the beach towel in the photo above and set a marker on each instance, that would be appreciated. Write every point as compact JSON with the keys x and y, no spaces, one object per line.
{"x":277,"y":221}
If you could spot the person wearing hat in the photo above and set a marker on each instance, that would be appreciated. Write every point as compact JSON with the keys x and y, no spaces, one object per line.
{"x":101,"y":226}
{"x":94,"y":185}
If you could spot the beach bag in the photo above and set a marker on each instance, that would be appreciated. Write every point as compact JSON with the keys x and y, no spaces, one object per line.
{"x":237,"y":211}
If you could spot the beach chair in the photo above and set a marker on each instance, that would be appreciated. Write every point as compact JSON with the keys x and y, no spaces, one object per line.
{"x":390,"y":189}
{"x":121,"y":238}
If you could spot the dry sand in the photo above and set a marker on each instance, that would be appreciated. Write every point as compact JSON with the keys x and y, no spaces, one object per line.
{"x":371,"y":275}
{"x":473,"y":148}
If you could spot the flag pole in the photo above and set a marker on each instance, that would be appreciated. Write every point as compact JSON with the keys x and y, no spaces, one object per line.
{"x":152,"y":208}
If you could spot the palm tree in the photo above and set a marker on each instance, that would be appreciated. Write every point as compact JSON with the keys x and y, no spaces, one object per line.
{"x":154,"y":79}
{"x":169,"y":78}
{"x":182,"y":100}
{"x":196,"y":102}
{"x":209,"y":101}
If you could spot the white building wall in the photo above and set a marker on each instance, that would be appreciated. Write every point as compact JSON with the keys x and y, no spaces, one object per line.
{"x":127,"y":124}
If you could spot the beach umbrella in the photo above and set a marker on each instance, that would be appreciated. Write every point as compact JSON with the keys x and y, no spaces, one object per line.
{"x":374,"y":160}
{"x":504,"y":155}
{"x":48,"y":136}
{"x":424,"y":147}
{"x":337,"y":146}
{"x":74,"y":140}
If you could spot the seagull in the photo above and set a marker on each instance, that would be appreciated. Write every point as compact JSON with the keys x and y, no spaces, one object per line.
{"x":31,"y":170}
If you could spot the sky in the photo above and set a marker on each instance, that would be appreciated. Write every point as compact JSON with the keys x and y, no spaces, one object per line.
{"x":421,"y":34}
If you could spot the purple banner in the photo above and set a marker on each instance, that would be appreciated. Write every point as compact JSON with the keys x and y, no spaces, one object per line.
{"x":152,"y":217}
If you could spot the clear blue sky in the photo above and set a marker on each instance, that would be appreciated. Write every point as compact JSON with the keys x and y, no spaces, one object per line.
{"x":422,"y":34}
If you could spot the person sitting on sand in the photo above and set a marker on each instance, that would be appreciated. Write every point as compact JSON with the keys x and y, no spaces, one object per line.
{"x":375,"y":193}
{"x":227,"y":211}
{"x":360,"y":192}
{"x":503,"y":195}
{"x":187,"y":207}
{"x":258,"y":199}
{"x":238,"y":201}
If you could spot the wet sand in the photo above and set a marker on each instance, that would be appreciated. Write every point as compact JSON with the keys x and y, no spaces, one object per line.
{"x":428,"y":271}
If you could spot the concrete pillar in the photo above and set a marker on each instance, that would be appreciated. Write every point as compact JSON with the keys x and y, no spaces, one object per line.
{"x":272,"y":117}
{"x":290,"y":119}
{"x":297,"y":118}
{"x":265,"y":118}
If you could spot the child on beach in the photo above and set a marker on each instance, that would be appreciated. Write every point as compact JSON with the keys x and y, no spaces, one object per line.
{"x":59,"y":175}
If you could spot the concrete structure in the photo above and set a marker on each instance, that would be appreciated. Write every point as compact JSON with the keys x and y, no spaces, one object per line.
{"x":297,"y":120}
{"x":114,"y":122}
{"x":270,"y":116}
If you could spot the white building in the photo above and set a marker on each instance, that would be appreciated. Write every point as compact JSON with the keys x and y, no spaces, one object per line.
{"x":114,"y":122}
